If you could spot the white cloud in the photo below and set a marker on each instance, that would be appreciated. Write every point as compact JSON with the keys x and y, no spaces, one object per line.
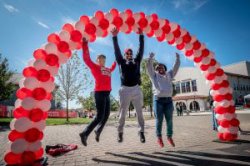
{"x":10,"y":8}
{"x":67,"y":19}
{"x":104,"y":41}
{"x":42,"y":24}
{"x":188,"y":4}
{"x":91,"y":50}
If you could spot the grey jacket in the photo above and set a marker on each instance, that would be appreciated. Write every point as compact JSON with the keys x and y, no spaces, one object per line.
{"x":162,"y":84}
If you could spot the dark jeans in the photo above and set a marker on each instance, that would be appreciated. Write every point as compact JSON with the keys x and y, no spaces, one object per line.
{"x":102,"y":102}
{"x":163,"y":107}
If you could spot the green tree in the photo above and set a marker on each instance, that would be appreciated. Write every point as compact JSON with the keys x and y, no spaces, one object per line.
{"x":6,"y":87}
{"x":87,"y":103}
{"x":146,"y":86}
{"x":114,"y":104}
{"x":72,"y":79}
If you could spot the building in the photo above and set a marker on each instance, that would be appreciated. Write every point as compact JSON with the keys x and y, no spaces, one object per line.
{"x":193,"y":92}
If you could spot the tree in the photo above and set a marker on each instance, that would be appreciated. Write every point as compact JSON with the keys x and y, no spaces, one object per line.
{"x":72,"y":79}
{"x":114,"y":104}
{"x":87,"y":103}
{"x":146,"y":86}
{"x":6,"y":87}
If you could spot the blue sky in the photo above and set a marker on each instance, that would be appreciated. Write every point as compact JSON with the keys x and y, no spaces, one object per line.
{"x":223,"y":25}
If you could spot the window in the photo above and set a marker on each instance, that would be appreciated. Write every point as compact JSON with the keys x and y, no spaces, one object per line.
{"x":188,"y":88}
{"x":177,"y":88}
{"x":183,"y":88}
{"x":235,"y":87}
{"x":194,"y":86}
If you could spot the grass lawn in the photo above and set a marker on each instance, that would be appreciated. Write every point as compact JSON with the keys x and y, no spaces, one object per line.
{"x":55,"y":121}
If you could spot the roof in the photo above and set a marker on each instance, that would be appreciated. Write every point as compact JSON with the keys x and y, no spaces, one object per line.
{"x":189,"y":97}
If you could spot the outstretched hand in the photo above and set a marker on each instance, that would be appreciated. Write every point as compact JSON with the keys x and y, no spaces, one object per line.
{"x":114,"y":31}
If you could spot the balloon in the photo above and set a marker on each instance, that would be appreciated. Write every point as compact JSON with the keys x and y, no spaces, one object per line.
{"x":14,"y":135}
{"x":235,"y":122}
{"x":18,"y":146}
{"x":180,"y":46}
{"x":205,"y":52}
{"x":28,"y":103}
{"x":173,"y":26}
{"x":68,"y":27}
{"x":34,"y":146}
{"x":40,"y":64}
{"x":162,"y":37}
{"x":129,"y":12}
{"x":39,"y":93}
{"x":227,"y":136}
{"x":233,"y":130}
{"x":104,"y":24}
{"x":79,"y":26}
{"x":84,"y":19}
{"x":53,"y":38}
{"x":143,"y":22}
{"x":30,"y":83}
{"x":76,"y":36}
{"x":23,"y":93}
{"x":117,"y":21}
{"x":224,"y":123}
{"x":49,"y":86}
{"x":63,"y":46}
{"x":154,"y":25}
{"x":44,"y":105}
{"x":29,"y":72}
{"x":32,"y":135}
{"x":36,"y":114}
{"x":12,"y":158}
{"x":229,"y":116}
{"x":221,"y":129}
{"x":43,"y":75}
{"x":51,"y":48}
{"x":130,"y":21}
{"x":158,"y":33}
{"x":40,"y":125}
{"x":92,"y":38}
{"x":187,"y":38}
{"x":20,"y":112}
{"x":99,"y":14}
{"x":51,"y":59}
{"x":177,"y":33}
{"x":189,"y":53}
{"x":169,"y":37}
{"x":90,"y":29}
{"x":39,"y":153}
{"x":39,"y":54}
{"x":150,"y":34}
{"x":28,"y":157}
{"x":62,"y":58}
{"x":64,"y":36}
{"x":109,"y":17}
{"x":114,"y":12}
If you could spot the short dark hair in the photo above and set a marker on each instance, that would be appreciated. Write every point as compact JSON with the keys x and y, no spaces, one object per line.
{"x":160,"y":64}
{"x":101,"y":56}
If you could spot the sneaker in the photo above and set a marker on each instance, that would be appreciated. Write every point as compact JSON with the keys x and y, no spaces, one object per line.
{"x":171,"y":141}
{"x":83,"y":138}
{"x":142,"y":137}
{"x":97,"y":136}
{"x":160,"y":142}
{"x":120,"y":137}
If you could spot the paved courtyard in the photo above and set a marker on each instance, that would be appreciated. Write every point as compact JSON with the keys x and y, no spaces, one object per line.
{"x":196,"y":144}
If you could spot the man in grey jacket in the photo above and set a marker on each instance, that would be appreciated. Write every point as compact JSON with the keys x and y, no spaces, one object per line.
{"x":163,"y":90}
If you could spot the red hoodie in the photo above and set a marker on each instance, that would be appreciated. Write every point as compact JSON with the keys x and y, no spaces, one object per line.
{"x":101,"y":74}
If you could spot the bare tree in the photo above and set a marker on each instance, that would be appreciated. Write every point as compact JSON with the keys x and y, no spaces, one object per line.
{"x":72,"y":79}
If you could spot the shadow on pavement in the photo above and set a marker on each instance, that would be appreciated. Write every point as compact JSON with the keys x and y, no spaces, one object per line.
{"x":237,"y":142}
{"x":170,"y":158}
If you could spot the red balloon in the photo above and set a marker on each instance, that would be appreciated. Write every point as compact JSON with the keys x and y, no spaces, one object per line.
{"x":219,"y":98}
{"x":103,"y":24}
{"x":210,"y":76}
{"x":43,"y":75}
{"x":130,"y":21}
{"x":99,"y":15}
{"x":220,"y":136}
{"x":129,"y":12}
{"x":150,"y":34}
{"x":196,"y":45}
{"x":212,"y":62}
{"x":13,"y":135}
{"x":228,"y":136}
{"x":28,"y":158}
{"x":92,"y":38}
{"x":105,"y":33}
{"x":143,"y":22}
{"x":154,"y":25}
{"x":198,"y":59}
{"x":54,"y":38}
{"x":20,"y":112}
{"x":166,"y":28}
{"x":32,"y":135}
{"x":180,"y":46}
{"x":51,"y":59}
{"x":219,"y":72}
{"x":39,"y":153}
{"x":68,"y":27}
{"x":114,"y":12}
{"x":117,"y":21}
{"x":36,"y":115}
{"x":171,"y":42}
{"x":177,"y":33}
{"x":235,"y":122}
{"x":187,"y":38}
{"x":154,"y":16}
{"x":29,"y":72}
{"x":84,"y":19}
{"x":189,"y":52}
{"x":39,"y":54}
{"x":45,"y":115}
{"x":162,"y":37}
{"x":23,"y":93}
{"x":48,"y":96}
{"x":224,"y":123}
{"x":63,"y":46}
{"x":39,"y":93}
{"x":142,"y":14}
{"x":90,"y":29}
{"x":12,"y":158}
{"x":76,"y":36}
{"x":204,"y":67}
{"x":205,"y":52}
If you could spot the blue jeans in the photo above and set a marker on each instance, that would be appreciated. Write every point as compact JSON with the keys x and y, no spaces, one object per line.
{"x":163,"y":106}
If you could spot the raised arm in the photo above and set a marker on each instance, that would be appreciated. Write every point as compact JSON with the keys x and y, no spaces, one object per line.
{"x":149,"y":66}
{"x":141,"y":46}
{"x":176,"y":65}
{"x":86,"y":56}
{"x":112,"y":68}
{"x":118,"y":54}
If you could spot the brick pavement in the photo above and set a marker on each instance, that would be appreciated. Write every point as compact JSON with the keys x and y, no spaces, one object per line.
{"x":192,"y":134}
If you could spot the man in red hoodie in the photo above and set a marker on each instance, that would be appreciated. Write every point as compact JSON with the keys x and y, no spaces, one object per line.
{"x":102,"y":76}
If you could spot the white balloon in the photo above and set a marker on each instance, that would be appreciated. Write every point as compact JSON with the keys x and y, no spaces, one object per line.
{"x":149,"y":18}
{"x":188,"y":46}
{"x":179,"y":40}
{"x":233,"y":130}
{"x":183,"y":32}
{"x":35,"y":146}
{"x":206,"y":60}
{"x":31,"y":62}
{"x":136,"y":16}
{"x":124,"y":16}
{"x":62,"y":58}
{"x":161,"y":22}
{"x":18,"y":103}
{"x":158,"y":32}
{"x":169,"y":37}
{"x":19,"y":146}
{"x":72,"y":45}
{"x":173,"y":26}
{"x":111,"y":27}
{"x":40,"y":125}
{"x":109,"y":17}
{"x":193,"y":39}
{"x":64,"y":35}
{"x":51,"y":48}
{"x":21,"y":82}
{"x":53,"y":70}
{"x":135,"y":27}
{"x":147,"y":29}
{"x":12,"y":123}
{"x":44,"y":105}
{"x":28,"y":103}
{"x":40,"y":64}
{"x":124,"y":28}
{"x":99,"y":32}
{"x":80,"y":26}
{"x":222,"y":129}
{"x":30,"y":83}
{"x":229,"y":116}
{"x":22,"y":124}
{"x":49,"y":86}
{"x":94,"y":21}
{"x":219,"y":116}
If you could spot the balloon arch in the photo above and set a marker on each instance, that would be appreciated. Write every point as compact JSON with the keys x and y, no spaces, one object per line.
{"x":37,"y":84}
